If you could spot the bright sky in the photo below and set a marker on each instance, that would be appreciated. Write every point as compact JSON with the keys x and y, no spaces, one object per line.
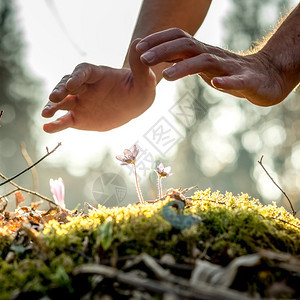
{"x":101,"y":31}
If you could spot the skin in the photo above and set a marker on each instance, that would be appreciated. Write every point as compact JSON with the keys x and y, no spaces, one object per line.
{"x":264,"y":78}
{"x":157,"y":15}
{"x":101,"y":98}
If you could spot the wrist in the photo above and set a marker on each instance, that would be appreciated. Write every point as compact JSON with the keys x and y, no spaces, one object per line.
{"x":280,"y":70}
{"x":282,"y":50}
{"x":157,"y":69}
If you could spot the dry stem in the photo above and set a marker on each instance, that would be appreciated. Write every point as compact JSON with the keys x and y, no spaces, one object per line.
{"x":33,"y":170}
{"x":20,"y":188}
{"x":17,"y":175}
{"x":138,"y":186}
{"x":283,"y":192}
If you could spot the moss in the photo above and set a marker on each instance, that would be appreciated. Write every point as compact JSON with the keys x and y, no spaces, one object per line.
{"x":231,"y":226}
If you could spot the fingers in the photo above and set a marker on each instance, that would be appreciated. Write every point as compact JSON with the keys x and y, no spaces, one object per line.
{"x":85,"y":74}
{"x":173,"y":51}
{"x":160,"y":37}
{"x":76,"y":82}
{"x":59,"y":92}
{"x":68,"y":103}
{"x":59,"y":124}
{"x":234,"y":82}
{"x":141,"y":72}
{"x":209,"y":64}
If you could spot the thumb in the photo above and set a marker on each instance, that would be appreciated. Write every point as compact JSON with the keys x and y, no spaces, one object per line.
{"x":141,"y":73}
{"x":234,"y":82}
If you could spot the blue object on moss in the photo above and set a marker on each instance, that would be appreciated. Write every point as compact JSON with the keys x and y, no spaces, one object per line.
{"x":178,"y":220}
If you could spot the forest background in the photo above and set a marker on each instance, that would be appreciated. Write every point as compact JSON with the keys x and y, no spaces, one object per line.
{"x":210,"y":139}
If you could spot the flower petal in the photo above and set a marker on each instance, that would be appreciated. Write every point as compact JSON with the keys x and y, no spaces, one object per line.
{"x":160,"y":167}
{"x":120,"y":157}
{"x":127,"y":152}
{"x":135,"y":151}
{"x":167,"y":170}
{"x":57,"y":188}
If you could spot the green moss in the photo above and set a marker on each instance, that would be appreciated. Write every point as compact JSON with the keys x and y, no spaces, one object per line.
{"x":231,"y":226}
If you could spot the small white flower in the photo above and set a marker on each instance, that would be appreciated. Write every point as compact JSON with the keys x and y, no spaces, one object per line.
{"x":129,"y":156}
{"x":57,"y":189}
{"x":162,"y":171}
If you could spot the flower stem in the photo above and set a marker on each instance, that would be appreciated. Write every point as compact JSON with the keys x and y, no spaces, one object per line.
{"x":159,"y":187}
{"x":138,"y":186}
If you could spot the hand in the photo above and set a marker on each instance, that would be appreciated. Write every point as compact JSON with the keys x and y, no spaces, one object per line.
{"x":101,"y":98}
{"x":252,"y":77}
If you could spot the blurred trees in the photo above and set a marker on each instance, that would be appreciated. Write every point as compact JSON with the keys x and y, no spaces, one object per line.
{"x":18,"y":92}
{"x":225,"y":136}
{"x":229,"y":135}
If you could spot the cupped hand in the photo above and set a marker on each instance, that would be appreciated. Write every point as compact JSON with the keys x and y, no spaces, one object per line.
{"x":101,"y":98}
{"x":253,"y":76}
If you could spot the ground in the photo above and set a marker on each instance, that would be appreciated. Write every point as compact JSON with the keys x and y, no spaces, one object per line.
{"x":148,"y":251}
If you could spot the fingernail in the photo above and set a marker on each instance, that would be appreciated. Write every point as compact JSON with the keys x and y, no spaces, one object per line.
{"x":55,"y":90}
{"x":142,"y":46}
{"x":170,"y":72}
{"x":68,"y":81}
{"x":47,"y":106}
{"x":148,"y":56}
{"x":217,"y":81}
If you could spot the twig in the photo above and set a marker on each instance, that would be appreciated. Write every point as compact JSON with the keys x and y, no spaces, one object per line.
{"x":182,"y":289}
{"x":8,"y":194}
{"x":1,"y":114}
{"x":286,"y":222}
{"x":33,"y":169}
{"x":26,"y":191}
{"x":283,"y":192}
{"x":48,"y":153}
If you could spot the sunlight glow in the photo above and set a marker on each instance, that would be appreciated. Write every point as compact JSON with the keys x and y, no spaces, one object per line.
{"x":251,"y":141}
{"x":103,"y":33}
{"x":295,"y":157}
{"x":264,"y":184}
{"x":227,"y":118}
{"x":102,"y":29}
{"x":273,"y":133}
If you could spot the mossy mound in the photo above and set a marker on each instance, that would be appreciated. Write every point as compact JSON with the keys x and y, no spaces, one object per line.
{"x":231,"y":226}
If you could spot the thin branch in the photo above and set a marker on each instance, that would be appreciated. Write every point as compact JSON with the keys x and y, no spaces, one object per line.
{"x":283,"y":192}
{"x":20,"y":188}
{"x":1,"y":114}
{"x":48,"y":153}
{"x":8,"y":194}
{"x":33,"y":169}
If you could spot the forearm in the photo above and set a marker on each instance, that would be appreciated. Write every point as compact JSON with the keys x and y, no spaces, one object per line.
{"x":283,"y":50}
{"x":157,"y":15}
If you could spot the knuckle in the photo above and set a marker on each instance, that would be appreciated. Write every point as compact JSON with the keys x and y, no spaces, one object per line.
{"x":209,"y":58}
{"x":82,"y":68}
{"x":83,"y":65}
{"x":62,"y":82}
{"x":179,"y":32}
{"x":190,"y":42}
{"x":65,"y":78}
{"x":185,"y":65}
